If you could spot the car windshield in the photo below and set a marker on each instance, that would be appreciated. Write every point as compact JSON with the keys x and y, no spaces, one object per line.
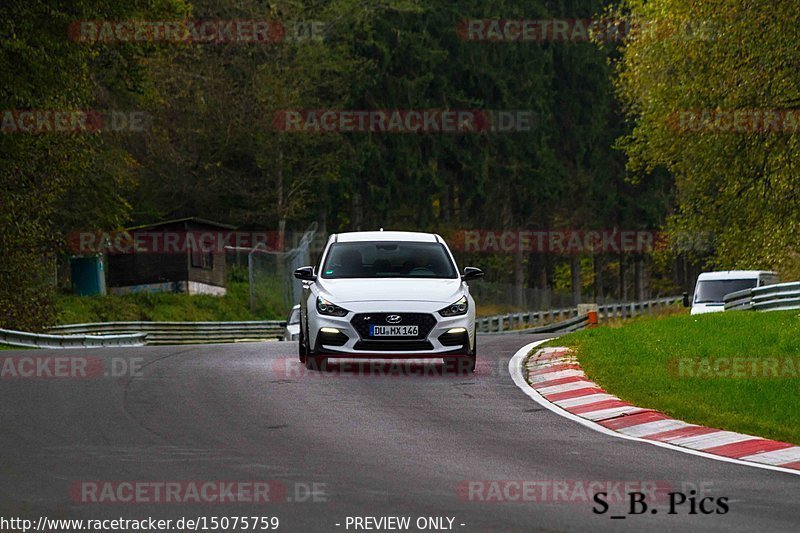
{"x":388,"y":260}
{"x":714,"y":291}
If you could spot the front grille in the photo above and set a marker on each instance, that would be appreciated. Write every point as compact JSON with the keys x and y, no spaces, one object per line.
{"x":362,"y":321}
{"x":393,"y":346}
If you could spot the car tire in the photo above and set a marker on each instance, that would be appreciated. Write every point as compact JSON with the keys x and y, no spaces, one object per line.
{"x":302,"y":351}
{"x":469,"y":367}
{"x":315,"y":362}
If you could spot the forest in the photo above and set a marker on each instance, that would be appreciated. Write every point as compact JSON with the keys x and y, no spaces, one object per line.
{"x":668,"y":119}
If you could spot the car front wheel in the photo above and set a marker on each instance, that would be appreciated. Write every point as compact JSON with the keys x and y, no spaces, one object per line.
{"x":315,"y":362}
{"x":302,"y":351}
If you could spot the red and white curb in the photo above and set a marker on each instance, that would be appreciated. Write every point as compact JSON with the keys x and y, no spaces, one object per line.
{"x":556,"y":381}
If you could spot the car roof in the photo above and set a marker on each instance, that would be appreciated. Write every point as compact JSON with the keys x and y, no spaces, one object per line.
{"x":373,"y":236}
{"x":734,"y":274}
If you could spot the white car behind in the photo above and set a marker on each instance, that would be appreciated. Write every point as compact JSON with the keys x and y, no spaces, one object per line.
{"x":292,"y":330}
{"x":711,"y":287}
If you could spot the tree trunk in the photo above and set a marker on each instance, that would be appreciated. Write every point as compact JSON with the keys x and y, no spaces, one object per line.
{"x":598,"y":278}
{"x":281,"y":205}
{"x":547,"y":282}
{"x":641,"y":278}
{"x":519,"y":280}
{"x":358,"y":211}
{"x":575,"y":268}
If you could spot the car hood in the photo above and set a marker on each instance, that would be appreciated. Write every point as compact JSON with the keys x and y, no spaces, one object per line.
{"x":444,"y":291}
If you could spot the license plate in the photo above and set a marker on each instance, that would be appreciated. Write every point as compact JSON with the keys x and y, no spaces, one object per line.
{"x":393,"y":331}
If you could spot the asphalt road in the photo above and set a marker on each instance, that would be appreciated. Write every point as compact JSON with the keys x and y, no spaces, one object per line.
{"x":366,"y":443}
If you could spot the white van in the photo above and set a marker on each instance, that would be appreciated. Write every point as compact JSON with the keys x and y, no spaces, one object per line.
{"x":711,"y":288}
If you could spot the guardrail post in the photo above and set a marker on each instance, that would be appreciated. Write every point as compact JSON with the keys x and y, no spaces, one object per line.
{"x":590,"y":310}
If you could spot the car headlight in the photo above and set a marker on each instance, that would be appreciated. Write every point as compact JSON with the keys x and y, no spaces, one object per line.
{"x":456,"y":308}
{"x":327,"y":308}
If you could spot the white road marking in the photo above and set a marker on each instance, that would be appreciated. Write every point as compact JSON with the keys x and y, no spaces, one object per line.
{"x":711,"y":440}
{"x":539,"y":378}
{"x":584,"y":400}
{"x":614,"y":412}
{"x":651,"y":428}
{"x":776,"y":457}
{"x":567,"y":387}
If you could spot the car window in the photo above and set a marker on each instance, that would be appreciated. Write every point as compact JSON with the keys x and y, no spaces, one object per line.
{"x":388,"y":260}
{"x":714,"y":291}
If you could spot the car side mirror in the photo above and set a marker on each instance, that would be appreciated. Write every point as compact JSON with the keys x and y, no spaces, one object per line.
{"x":471,"y":273}
{"x":686,"y":299}
{"x":305,"y":273}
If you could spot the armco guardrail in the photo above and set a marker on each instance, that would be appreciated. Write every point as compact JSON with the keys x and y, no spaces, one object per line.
{"x":528,"y":321}
{"x":37,"y":340}
{"x":739,"y":300}
{"x":778,"y":297}
{"x":184,"y":332}
{"x":565,"y":326}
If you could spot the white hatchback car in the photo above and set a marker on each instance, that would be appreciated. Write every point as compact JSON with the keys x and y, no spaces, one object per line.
{"x":387,"y":294}
{"x":291,"y":332}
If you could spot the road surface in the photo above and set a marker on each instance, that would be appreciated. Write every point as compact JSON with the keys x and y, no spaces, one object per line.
{"x":353,"y":443}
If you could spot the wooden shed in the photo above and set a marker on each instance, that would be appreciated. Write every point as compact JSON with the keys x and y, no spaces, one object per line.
{"x":182,"y":255}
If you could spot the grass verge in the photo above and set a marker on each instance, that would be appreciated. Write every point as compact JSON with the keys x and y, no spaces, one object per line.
{"x":234,"y":306}
{"x":738,"y":371}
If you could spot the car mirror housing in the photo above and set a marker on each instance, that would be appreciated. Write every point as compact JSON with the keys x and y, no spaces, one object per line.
{"x":471,"y":273}
{"x":305,"y":273}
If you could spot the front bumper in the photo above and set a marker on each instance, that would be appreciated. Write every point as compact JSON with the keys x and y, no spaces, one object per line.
{"x":353,"y":340}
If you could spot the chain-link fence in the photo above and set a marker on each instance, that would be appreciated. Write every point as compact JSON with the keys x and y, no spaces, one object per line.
{"x":268,"y":273}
